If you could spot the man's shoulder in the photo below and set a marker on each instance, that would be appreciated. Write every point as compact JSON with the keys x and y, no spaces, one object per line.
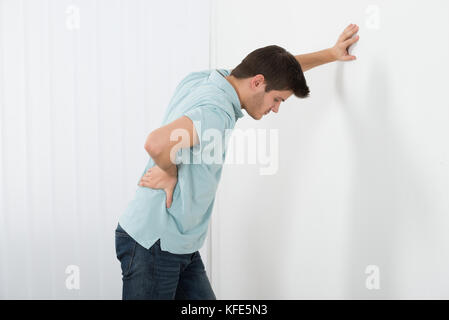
{"x":200,"y":92}
{"x":217,"y":102}
{"x":195,"y":76}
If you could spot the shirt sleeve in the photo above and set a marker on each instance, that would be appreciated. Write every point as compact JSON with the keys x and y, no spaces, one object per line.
{"x":212,"y":124}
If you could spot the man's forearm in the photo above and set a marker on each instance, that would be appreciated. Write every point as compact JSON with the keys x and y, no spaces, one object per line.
{"x":162,"y":160}
{"x":315,"y":59}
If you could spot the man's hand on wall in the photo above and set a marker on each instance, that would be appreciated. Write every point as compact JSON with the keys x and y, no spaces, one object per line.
{"x":340,"y":49}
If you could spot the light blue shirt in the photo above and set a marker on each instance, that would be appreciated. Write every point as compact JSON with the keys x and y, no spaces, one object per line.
{"x":211,"y":102}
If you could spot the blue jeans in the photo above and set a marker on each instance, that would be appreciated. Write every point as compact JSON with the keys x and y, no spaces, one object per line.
{"x":157,"y":274}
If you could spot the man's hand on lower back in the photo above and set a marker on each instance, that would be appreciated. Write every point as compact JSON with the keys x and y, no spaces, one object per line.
{"x":156,"y":178}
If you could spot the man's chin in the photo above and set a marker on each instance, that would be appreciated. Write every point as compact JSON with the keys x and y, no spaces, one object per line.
{"x":257,"y":117}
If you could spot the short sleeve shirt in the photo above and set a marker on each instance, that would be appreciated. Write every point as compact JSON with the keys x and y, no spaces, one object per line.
{"x":212,"y":104}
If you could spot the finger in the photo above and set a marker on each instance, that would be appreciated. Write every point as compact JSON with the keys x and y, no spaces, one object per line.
{"x":148,"y":177}
{"x":146,"y":182}
{"x":169,"y":194}
{"x":348,"y":27}
{"x":349,"y":58}
{"x":351,"y":41}
{"x":353,"y":30}
{"x":169,"y":201}
{"x":349,"y":33}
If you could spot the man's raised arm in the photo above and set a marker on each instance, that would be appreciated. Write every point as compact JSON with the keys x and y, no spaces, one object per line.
{"x":338,"y":52}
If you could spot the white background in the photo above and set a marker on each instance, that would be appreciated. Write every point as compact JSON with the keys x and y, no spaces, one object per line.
{"x":363,"y":175}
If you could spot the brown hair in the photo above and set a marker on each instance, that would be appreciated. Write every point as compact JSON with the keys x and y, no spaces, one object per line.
{"x":279,"y":67}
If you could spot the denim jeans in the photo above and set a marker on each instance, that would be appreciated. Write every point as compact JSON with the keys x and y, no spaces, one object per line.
{"x":157,"y":274}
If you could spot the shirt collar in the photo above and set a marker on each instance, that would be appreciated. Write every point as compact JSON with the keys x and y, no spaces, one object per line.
{"x":224,"y":84}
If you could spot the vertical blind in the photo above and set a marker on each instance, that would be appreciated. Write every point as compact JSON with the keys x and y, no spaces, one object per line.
{"x":82,"y":83}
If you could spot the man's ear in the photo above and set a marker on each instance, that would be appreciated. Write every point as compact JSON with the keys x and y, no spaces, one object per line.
{"x":258,"y":80}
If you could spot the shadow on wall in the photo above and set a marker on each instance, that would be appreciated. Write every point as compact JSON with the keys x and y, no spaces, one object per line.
{"x":384,"y":178}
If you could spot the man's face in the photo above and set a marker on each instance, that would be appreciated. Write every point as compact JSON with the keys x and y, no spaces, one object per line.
{"x":262,"y":103}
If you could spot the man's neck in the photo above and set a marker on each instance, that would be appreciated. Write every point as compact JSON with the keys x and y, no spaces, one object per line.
{"x":234,"y":83}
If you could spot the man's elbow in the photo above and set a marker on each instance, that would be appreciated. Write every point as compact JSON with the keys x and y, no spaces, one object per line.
{"x":159,"y":154}
{"x":153,"y":152}
{"x":152,"y":146}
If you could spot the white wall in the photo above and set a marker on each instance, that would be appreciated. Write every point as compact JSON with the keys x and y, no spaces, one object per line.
{"x":82,"y":83}
{"x":363,"y":174}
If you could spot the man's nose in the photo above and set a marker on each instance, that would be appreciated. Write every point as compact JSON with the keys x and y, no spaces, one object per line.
{"x":275,"y":109}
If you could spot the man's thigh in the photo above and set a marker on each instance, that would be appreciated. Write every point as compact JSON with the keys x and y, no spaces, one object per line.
{"x":193,"y":282}
{"x":147,"y":274}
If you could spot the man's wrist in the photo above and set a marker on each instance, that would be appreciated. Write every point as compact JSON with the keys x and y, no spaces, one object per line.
{"x":332,"y":54}
{"x":172,"y":170}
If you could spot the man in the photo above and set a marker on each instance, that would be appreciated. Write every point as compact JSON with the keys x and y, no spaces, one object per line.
{"x":159,"y":235}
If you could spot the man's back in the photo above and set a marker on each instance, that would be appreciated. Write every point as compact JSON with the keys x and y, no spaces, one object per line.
{"x":211,"y":102}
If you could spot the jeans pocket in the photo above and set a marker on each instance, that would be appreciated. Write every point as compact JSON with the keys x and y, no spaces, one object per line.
{"x":125,"y":248}
{"x":120,"y":232}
